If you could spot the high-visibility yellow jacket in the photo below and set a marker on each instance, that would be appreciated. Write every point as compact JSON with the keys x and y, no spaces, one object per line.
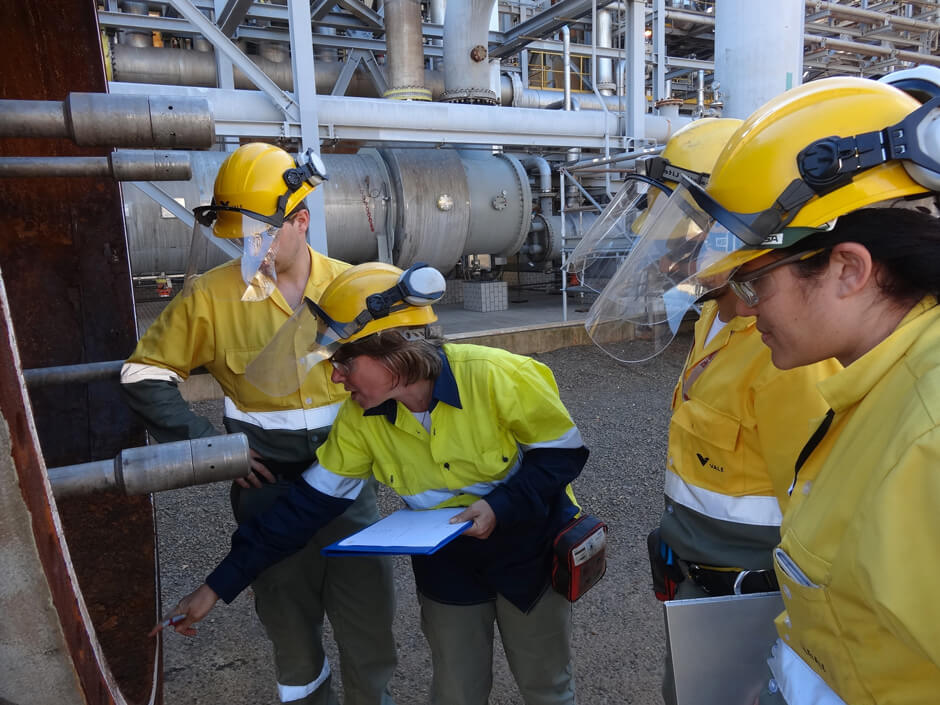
{"x":737,"y":426}
{"x":856,"y":562}
{"x":212,"y":328}
{"x":498,"y":430}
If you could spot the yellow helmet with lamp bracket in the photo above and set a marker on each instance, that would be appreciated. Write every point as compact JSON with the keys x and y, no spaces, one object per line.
{"x":626,"y":320}
{"x":690,"y":152}
{"x":361,"y":301}
{"x":257,"y":188}
{"x":805,"y":158}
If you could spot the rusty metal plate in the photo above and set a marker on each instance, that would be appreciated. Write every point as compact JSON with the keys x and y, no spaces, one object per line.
{"x":64,"y":260}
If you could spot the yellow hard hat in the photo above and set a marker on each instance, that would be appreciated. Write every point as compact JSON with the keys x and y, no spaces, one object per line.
{"x":790,"y":165}
{"x":692,"y":151}
{"x":696,"y":146}
{"x":260,"y":181}
{"x":392,"y":298}
{"x":362,"y":300}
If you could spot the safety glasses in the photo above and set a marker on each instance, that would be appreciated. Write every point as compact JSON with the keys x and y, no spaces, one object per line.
{"x":748,"y":286}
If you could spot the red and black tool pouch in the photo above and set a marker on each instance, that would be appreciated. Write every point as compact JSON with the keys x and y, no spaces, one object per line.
{"x":664,"y":564}
{"x":579,"y":557}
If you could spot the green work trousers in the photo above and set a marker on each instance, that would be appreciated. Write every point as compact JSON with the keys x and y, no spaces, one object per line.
{"x":355,"y":593}
{"x":537,"y":646}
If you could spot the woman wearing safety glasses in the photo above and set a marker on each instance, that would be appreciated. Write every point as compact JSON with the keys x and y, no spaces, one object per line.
{"x":813,"y":187}
{"x":443,"y":426}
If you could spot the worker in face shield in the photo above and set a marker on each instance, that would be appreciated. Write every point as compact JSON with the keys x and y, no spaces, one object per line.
{"x":477,"y":430}
{"x":731,"y":441}
{"x":837,"y":259}
{"x":221,"y":320}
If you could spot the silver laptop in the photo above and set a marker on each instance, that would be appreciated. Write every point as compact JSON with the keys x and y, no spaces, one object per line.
{"x":720,"y":646}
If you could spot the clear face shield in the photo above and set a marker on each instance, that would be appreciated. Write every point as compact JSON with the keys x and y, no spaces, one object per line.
{"x":256,"y":248}
{"x":311,"y":336}
{"x":603,"y":247}
{"x":682,"y":254}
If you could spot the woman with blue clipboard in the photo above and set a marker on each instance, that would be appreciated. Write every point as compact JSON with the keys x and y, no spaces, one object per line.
{"x":443,"y":425}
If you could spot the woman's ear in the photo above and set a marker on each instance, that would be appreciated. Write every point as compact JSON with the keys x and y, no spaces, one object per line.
{"x":852,"y":268}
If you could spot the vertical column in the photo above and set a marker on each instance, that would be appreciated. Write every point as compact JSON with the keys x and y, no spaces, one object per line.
{"x":305,"y":94}
{"x":758,"y":52}
{"x":635,"y":46}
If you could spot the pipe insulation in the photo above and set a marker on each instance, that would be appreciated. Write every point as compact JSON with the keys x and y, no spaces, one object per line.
{"x":109,"y":120}
{"x":398,"y":205}
{"x":156,"y":468}
{"x":466,"y":55}
{"x":405,"y":58}
{"x":122,"y":165}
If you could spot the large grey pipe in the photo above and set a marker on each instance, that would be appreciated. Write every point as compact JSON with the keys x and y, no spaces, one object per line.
{"x":605,"y":67}
{"x":405,"y":51}
{"x":466,"y":64}
{"x":124,"y":165}
{"x":107,"y":120}
{"x":155,"y":468}
{"x":185,"y":67}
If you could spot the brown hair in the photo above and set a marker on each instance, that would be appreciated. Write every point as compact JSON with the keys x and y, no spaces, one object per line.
{"x":405,"y":354}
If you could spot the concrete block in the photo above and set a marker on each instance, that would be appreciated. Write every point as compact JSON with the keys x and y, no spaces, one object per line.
{"x":485,"y":296}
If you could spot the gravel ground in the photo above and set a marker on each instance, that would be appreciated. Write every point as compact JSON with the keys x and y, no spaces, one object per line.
{"x":623,"y":414}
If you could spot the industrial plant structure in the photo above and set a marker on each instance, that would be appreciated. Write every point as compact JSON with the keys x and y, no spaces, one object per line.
{"x":484,"y":137}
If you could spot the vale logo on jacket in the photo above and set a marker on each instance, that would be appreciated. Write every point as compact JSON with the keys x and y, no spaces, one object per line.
{"x":704,"y":461}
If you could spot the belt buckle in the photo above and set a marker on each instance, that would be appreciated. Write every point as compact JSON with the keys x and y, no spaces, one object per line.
{"x":739,"y":581}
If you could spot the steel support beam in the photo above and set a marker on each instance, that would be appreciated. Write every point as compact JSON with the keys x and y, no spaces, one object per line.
{"x":545,"y":23}
{"x":305,"y":93}
{"x":225,"y":46}
{"x":232,"y":15}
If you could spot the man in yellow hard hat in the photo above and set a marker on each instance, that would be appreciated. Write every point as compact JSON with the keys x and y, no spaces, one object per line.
{"x":221,"y":321}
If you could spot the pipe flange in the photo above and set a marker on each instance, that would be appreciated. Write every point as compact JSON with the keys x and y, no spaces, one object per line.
{"x":478,"y":96}
{"x":665,"y":102}
{"x":407,"y":93}
{"x":478,"y":53}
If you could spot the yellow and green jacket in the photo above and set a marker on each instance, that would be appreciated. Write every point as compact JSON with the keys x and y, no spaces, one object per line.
{"x":738,"y":424}
{"x":211,"y":328}
{"x":856,"y":560}
{"x":498,"y":431}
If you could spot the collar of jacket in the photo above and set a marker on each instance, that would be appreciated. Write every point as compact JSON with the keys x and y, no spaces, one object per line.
{"x":847,"y":387}
{"x":445,"y":390}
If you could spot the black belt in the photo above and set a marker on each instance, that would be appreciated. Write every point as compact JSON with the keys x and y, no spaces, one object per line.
{"x":731,"y":582}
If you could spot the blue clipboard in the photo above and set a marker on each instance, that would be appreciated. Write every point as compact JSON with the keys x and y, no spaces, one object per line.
{"x":405,"y":532}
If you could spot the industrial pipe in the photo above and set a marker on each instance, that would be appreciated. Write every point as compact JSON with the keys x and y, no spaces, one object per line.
{"x":466,"y":56}
{"x":125,"y":165}
{"x":68,"y":374}
{"x":405,"y":60}
{"x":604,"y":80}
{"x":108,"y":120}
{"x":533,"y":161}
{"x":566,"y":58}
{"x":874,"y":17}
{"x":155,"y":468}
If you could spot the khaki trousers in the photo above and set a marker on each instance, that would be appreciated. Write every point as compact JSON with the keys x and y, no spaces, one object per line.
{"x":357,"y":594}
{"x":537,"y":646}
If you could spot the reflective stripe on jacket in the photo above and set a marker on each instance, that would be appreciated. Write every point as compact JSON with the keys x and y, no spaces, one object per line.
{"x":737,"y":427}
{"x":856,"y":559}
{"x":211,"y":328}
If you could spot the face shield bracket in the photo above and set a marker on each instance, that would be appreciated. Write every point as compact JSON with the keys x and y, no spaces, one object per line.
{"x":660,"y":169}
{"x":831,"y":162}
